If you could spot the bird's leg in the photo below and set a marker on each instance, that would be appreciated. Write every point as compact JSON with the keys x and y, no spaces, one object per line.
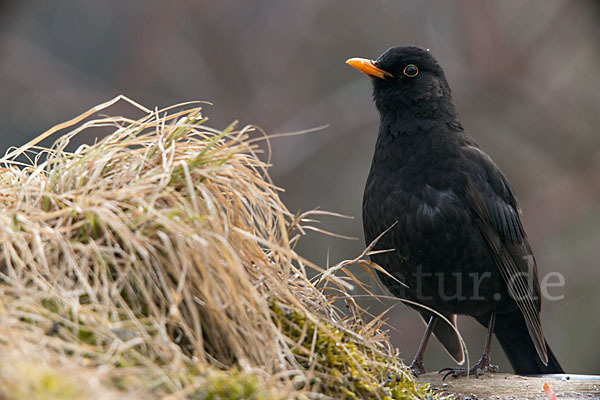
{"x":416,"y":366}
{"x":483,"y":365}
{"x":484,"y":362}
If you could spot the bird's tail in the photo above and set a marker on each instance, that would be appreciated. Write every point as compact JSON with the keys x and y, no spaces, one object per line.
{"x":512,"y":333}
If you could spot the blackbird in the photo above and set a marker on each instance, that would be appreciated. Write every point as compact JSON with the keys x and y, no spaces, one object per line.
{"x":446,"y":220}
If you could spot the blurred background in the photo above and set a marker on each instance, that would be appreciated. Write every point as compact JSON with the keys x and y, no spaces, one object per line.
{"x":525,"y":78}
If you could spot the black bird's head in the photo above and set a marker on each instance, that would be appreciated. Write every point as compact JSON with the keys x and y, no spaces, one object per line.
{"x":408,"y":80}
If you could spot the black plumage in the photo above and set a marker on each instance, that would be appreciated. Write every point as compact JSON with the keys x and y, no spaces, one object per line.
{"x":458,"y":243}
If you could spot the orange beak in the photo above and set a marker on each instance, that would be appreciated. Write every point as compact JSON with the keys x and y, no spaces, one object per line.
{"x":367,"y":67}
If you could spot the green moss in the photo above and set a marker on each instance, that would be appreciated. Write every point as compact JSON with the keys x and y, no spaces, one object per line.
{"x":232,"y":385}
{"x":345,"y":368}
{"x":51,"y":304}
{"x":30,"y":381}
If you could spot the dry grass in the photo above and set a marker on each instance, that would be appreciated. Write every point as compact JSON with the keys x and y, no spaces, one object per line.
{"x":162,"y":254}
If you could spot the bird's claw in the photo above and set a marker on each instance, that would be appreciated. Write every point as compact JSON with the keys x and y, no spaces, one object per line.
{"x":478,"y":369}
{"x":417,"y":368}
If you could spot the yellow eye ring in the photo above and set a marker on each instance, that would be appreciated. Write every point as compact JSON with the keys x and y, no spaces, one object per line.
{"x":411,"y":70}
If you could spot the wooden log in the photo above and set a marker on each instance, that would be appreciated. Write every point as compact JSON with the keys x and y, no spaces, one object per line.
{"x":516,"y":387}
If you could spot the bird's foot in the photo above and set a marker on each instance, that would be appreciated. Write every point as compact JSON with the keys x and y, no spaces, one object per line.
{"x":478,"y":369}
{"x":417,"y":368}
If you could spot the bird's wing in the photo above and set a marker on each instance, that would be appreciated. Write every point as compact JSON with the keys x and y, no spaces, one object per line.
{"x":497,"y":216}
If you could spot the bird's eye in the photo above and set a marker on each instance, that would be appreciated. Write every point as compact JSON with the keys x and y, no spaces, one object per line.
{"x":411,"y":70}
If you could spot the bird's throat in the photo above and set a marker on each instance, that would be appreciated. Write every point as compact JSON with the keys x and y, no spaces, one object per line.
{"x":407,"y":140}
{"x":393,"y":127}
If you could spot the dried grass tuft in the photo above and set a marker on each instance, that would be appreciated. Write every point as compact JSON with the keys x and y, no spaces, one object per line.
{"x":162,"y":254}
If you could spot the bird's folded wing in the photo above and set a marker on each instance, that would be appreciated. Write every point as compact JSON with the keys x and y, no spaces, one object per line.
{"x":498,"y":220}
